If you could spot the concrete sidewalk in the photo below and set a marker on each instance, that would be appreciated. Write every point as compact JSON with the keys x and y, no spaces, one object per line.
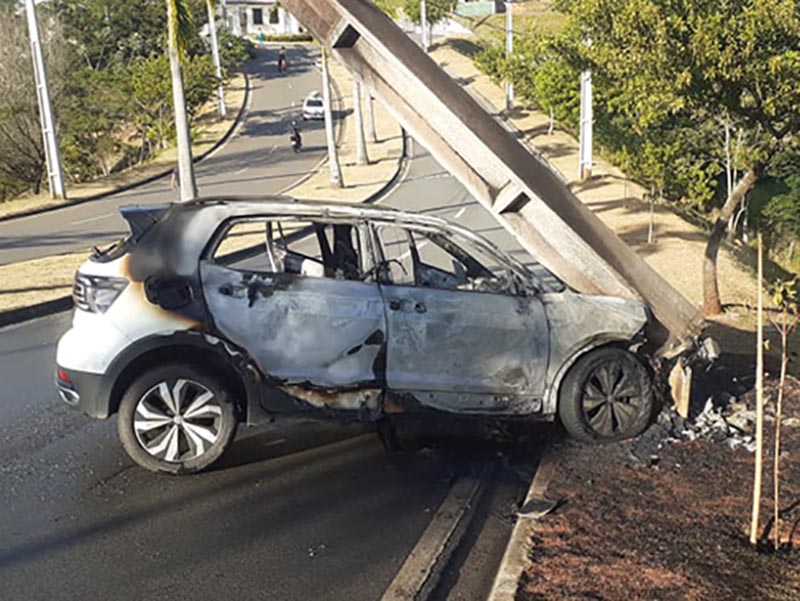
{"x":44,"y":280}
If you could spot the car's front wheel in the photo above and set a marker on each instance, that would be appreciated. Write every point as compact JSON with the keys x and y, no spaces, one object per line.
{"x":606,"y":395}
{"x":176,"y":419}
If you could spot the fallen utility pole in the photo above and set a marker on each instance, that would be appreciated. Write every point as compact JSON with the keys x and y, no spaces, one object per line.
{"x":520,"y":190}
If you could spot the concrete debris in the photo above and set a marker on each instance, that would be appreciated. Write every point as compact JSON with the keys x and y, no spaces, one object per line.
{"x":731,"y":423}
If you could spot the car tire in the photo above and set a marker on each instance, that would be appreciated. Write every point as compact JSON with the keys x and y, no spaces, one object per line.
{"x":607,"y":395}
{"x":176,"y":419}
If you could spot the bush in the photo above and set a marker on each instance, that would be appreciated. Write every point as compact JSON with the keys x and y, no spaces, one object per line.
{"x":287,"y":37}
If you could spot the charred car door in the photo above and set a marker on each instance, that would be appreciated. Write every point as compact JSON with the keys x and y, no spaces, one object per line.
{"x":463,"y":336}
{"x":294,"y":299}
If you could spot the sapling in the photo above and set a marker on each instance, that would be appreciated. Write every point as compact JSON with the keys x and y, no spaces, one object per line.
{"x":785,"y":298}
{"x":759,"y":397}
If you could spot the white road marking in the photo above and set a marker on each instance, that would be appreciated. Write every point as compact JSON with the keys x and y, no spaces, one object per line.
{"x":273,"y":149}
{"x":460,"y":213}
{"x":98,"y":218}
{"x":240,"y":171}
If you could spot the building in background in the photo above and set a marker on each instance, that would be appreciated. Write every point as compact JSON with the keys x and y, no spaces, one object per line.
{"x":251,"y":17}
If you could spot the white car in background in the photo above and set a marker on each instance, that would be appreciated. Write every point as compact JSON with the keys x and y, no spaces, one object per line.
{"x":313,"y":107}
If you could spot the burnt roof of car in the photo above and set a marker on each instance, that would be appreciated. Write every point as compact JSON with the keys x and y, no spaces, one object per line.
{"x":266,"y":201}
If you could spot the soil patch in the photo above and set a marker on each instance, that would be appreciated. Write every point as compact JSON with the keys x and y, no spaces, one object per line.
{"x":671,"y":522}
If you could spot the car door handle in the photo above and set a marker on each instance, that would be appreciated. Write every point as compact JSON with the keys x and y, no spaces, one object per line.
{"x":394,"y":304}
{"x":420,"y":308}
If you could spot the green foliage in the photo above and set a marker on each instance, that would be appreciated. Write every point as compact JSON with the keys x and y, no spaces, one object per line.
{"x":107,"y":33}
{"x":233,"y":50}
{"x":435,"y":10}
{"x":667,"y":77}
{"x":786,"y":295}
{"x":93,"y":106}
{"x":287,"y":37}
{"x":151,"y":93}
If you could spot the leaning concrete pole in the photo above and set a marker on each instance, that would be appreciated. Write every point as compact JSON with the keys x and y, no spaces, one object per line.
{"x":55,"y":175}
{"x":519,"y":189}
{"x":212,"y":28}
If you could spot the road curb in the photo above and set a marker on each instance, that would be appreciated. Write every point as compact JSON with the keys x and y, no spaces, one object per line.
{"x":22,"y":314}
{"x":150,"y":178}
{"x":421,"y":571}
{"x":517,"y":553}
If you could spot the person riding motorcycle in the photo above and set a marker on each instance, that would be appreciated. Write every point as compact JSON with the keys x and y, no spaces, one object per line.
{"x":282,"y":59}
{"x":295,"y":138}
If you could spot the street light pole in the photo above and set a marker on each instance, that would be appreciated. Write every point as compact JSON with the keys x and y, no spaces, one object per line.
{"x":586,"y":128}
{"x":55,"y":175}
{"x":423,"y":15}
{"x":509,"y":51}
{"x":212,"y":28}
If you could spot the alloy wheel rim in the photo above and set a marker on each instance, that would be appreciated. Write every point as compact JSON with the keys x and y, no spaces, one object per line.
{"x":612,"y":398}
{"x":177,"y":423}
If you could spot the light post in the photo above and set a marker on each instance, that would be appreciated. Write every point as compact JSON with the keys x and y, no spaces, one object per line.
{"x":509,"y":51}
{"x":423,"y":15}
{"x":212,"y":28}
{"x":55,"y":175}
{"x":585,"y":158}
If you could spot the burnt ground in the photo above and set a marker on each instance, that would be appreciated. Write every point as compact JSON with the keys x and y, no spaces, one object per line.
{"x":639,"y":522}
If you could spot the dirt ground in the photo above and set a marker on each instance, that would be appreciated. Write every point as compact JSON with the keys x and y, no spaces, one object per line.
{"x":641,"y":523}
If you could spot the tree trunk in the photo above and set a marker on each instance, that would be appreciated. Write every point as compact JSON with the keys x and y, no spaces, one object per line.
{"x":185,"y":165}
{"x":333,"y":154}
{"x":362,"y":157}
{"x":711,"y":301}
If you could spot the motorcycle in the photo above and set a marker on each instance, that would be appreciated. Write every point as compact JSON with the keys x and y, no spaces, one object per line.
{"x":296,"y":140}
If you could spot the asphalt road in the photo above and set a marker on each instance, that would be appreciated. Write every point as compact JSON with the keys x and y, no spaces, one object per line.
{"x":292,"y":512}
{"x":258,"y":160}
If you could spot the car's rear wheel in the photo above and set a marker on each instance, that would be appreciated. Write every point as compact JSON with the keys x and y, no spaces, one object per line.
{"x":176,"y":419}
{"x":607,"y":395}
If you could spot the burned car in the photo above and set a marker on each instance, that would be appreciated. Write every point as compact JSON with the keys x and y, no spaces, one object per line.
{"x":221,"y":311}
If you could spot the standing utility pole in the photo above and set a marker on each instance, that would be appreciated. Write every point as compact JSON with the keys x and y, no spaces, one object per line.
{"x":587,"y":123}
{"x":212,"y":28}
{"x":224,"y":5}
{"x":362,"y":157}
{"x":423,"y":17}
{"x":55,"y":176}
{"x":509,"y":51}
{"x":333,"y":154}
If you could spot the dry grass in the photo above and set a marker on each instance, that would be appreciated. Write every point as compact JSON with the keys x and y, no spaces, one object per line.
{"x":39,"y":280}
{"x":209,"y":128}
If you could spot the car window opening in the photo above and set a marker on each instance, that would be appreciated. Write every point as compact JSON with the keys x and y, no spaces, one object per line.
{"x":310,"y":249}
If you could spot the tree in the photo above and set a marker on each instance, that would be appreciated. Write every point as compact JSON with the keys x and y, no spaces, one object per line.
{"x":435,"y":10}
{"x":738,"y":58}
{"x":179,"y":30}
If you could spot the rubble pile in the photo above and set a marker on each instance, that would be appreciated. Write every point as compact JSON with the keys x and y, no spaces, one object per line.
{"x":724,"y":419}
{"x":731,"y":420}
